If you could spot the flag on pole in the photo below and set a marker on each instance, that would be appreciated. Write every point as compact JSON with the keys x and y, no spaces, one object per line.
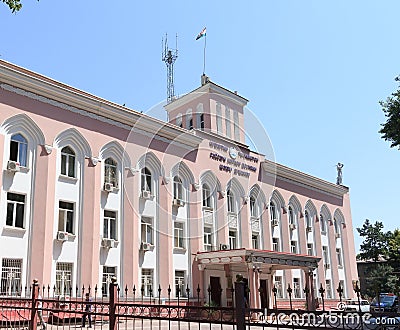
{"x":201,"y":34}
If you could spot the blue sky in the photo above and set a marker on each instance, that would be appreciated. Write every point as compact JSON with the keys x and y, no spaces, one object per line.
{"x":314,"y":72}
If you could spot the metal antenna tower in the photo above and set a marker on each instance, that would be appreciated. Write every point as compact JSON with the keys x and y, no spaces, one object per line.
{"x":169,"y":56}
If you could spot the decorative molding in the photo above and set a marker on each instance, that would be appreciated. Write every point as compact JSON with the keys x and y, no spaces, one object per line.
{"x":167,"y":179}
{"x":132,"y":170}
{"x":222,"y":193}
{"x":94,"y":160}
{"x":47,"y":148}
{"x":196,"y":186}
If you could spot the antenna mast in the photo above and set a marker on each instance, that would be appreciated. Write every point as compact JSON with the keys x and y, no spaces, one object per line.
{"x":169,"y":56}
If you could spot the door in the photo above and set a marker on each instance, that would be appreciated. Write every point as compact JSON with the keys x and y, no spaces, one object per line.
{"x":215,"y":287}
{"x":264,"y":294}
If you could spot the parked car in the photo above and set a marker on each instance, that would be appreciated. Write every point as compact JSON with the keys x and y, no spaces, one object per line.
{"x":352,"y":305}
{"x":385,"y":303}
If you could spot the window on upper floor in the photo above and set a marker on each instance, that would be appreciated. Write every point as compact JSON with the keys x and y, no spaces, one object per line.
{"x":19,"y":149}
{"x":339,"y":257}
{"x":15,"y":210}
{"x":219,"y":118}
{"x":322,"y":223}
{"x":111,"y":172}
{"x":110,"y":225}
{"x":147,"y":230}
{"x":275,"y":244}
{"x":66,"y":217}
{"x":253,"y":207}
{"x":179,"y":230}
{"x":293,"y":247}
{"x":146,"y":180}
{"x":178,"y":188}
{"x":228,"y":122}
{"x":325,"y":256}
{"x":68,"y":162}
{"x":179,"y":120}
{"x":273,"y":214}
{"x":202,"y":123}
{"x":233,"y":239}
{"x":292,"y":220}
{"x":310,"y":250}
{"x":308,"y":221}
{"x":255,"y":237}
{"x":208,"y":238}
{"x":230,"y":201}
{"x":206,"y":196}
{"x":236,"y":130}
{"x":337,"y":227}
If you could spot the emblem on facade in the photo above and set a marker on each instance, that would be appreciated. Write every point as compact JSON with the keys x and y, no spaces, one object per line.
{"x":233,"y":152}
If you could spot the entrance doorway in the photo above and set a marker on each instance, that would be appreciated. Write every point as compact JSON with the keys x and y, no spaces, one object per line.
{"x":215,"y":287}
{"x":264,"y":293}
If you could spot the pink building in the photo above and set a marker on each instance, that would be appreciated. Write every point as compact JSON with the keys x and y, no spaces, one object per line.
{"x":92,"y":190}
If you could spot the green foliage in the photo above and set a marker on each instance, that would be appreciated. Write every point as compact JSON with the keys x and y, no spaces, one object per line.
{"x":391,"y":129}
{"x":380,"y":278}
{"x":375,"y":244}
{"x":14,"y":5}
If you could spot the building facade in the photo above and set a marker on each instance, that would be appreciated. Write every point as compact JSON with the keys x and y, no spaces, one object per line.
{"x":92,"y":190}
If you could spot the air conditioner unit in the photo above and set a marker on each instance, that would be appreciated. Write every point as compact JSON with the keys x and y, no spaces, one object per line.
{"x":108,"y":187}
{"x":337,"y":235}
{"x":308,"y":229}
{"x":292,"y":226}
{"x":107,"y":243}
{"x":62,"y":236}
{"x":178,"y":202}
{"x":224,"y":247}
{"x":145,"y":246}
{"x":327,"y":266}
{"x":146,"y":194}
{"x":13,"y":166}
{"x":275,"y":222}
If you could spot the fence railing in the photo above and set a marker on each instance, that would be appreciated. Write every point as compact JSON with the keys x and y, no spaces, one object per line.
{"x":39,"y":306}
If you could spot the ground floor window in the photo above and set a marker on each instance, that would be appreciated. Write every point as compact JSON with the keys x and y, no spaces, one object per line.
{"x":11,"y":271}
{"x":108,"y":274}
{"x":64,"y":279}
{"x":279,"y":286}
{"x":328,"y":289}
{"x":296,"y":288}
{"x":180,"y":283}
{"x":147,"y":283}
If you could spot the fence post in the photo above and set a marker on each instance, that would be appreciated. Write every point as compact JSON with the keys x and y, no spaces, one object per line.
{"x":112,"y":302}
{"x":240,"y":302}
{"x":35,"y":295}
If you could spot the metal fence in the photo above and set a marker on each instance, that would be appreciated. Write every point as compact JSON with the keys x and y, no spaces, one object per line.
{"x":38,"y":307}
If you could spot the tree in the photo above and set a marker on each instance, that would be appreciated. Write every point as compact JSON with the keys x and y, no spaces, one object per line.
{"x":391,"y":129}
{"x":375,"y":244}
{"x":14,"y":5}
{"x":380,"y":278}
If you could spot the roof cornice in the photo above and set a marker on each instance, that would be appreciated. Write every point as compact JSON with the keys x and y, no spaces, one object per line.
{"x":296,"y":177}
{"x":37,"y":84}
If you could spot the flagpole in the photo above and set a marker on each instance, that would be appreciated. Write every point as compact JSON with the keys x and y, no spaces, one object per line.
{"x":204,"y":56}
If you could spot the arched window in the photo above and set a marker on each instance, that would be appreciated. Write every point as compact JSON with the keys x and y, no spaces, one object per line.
{"x":308,"y":220}
{"x":230,"y":201}
{"x":206,"y":196}
{"x":146,"y":180}
{"x":68,"y":162}
{"x":337,"y":227}
{"x":253,"y":207}
{"x":272,"y":212}
{"x":19,"y":149}
{"x":110,"y":172}
{"x":292,"y":220}
{"x":179,"y":120}
{"x":178,"y":188}
{"x":322,"y":223}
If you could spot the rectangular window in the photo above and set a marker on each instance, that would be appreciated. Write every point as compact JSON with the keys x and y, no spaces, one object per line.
{"x":19,"y":149}
{"x":110,"y":225}
{"x":293,"y":246}
{"x":254,"y":241}
{"x":278,"y":286}
{"x":228,"y":122}
{"x":325,"y":256}
{"x":236,"y":130}
{"x":343,"y":288}
{"x":206,"y":196}
{"x":275,"y":244}
{"x":339,"y":257}
{"x":207,"y":238}
{"x":328,"y":289}
{"x":232,"y":239}
{"x":66,"y":217}
{"x":178,"y":234}
{"x":147,"y":230}
{"x":147,"y":282}
{"x":310,"y":249}
{"x":202,"y":124}
{"x":15,"y":210}
{"x":108,"y":274}
{"x":296,"y":288}
{"x":64,"y":279}
{"x":180,"y":283}
{"x":219,"y":118}
{"x":11,"y":273}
